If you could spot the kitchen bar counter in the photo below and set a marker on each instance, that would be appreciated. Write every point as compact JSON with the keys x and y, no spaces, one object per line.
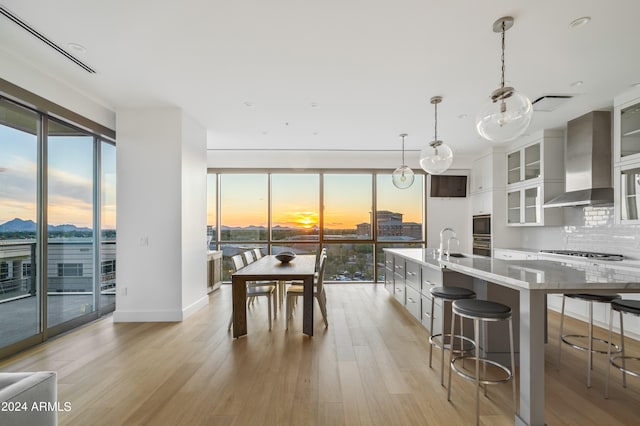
{"x":533,"y":279}
{"x":550,"y":276}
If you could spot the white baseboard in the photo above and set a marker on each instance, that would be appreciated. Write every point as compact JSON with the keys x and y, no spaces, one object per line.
{"x":147,"y":316}
{"x":198,"y":304}
{"x":160,"y":316}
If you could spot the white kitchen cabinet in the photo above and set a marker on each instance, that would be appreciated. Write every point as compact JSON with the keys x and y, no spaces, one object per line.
{"x":508,"y":254}
{"x":626,"y":128}
{"x":524,"y":164}
{"x":525,"y":205}
{"x":626,"y":147}
{"x":487,"y":172}
{"x":481,"y":174}
{"x":482,"y":203}
{"x":627,"y":193}
{"x":539,"y":157}
{"x":534,"y":175}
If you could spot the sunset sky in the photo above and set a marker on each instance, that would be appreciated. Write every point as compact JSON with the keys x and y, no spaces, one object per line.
{"x":295,"y":199}
{"x":70,"y":179}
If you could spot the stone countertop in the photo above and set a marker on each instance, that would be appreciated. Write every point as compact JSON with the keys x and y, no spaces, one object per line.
{"x":631,"y":263}
{"x":550,"y":276}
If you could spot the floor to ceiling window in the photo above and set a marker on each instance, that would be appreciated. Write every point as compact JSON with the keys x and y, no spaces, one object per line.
{"x":57,"y":185}
{"x":70,"y":208}
{"x":353,"y":214}
{"x":19,"y":292}
{"x":107,"y":225}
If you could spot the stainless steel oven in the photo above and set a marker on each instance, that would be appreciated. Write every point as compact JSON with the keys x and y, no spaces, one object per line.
{"x":482,"y":224}
{"x":482,"y":235}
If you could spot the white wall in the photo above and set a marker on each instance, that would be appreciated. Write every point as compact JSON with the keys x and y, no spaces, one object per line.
{"x":450,"y":212}
{"x":156,"y":151}
{"x":194,"y":215}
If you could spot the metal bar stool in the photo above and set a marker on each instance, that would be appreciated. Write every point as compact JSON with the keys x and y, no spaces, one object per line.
{"x":485,"y":311}
{"x":623,"y":307}
{"x":448,"y":294}
{"x":590,"y":298}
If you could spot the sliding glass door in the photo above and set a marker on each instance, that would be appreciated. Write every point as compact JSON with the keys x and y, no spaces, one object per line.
{"x":70,"y":263}
{"x":19,"y":291}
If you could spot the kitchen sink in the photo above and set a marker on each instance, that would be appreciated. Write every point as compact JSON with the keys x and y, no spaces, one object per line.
{"x":456,"y":255}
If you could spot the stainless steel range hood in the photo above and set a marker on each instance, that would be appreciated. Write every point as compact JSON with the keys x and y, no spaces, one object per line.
{"x":587,"y":162}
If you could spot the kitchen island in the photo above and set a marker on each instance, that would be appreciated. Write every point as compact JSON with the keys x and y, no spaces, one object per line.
{"x":532,"y":279}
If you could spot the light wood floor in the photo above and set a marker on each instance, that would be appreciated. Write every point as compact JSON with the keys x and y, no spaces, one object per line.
{"x":370,"y":367}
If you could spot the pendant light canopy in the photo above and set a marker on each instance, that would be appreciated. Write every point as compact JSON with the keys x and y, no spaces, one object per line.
{"x":438,"y":157}
{"x":403,"y":176}
{"x":507,"y":114}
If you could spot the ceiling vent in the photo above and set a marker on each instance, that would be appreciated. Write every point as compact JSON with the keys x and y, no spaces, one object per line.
{"x":45,"y":40}
{"x":548,"y":103}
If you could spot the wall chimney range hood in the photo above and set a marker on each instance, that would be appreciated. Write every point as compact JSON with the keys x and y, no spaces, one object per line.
{"x":587,"y":162}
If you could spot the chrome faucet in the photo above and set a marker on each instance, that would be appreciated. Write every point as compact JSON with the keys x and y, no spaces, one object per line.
{"x":449,"y":244}
{"x":442,"y":232}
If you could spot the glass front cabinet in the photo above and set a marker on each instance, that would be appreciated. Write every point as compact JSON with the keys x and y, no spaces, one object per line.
{"x":535,"y":174}
{"x":626,"y":147}
{"x":630,"y":194}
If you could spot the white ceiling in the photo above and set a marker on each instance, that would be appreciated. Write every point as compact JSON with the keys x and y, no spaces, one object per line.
{"x":348,"y":74}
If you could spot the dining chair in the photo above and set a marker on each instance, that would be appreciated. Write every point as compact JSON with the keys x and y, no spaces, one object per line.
{"x":297,"y":290}
{"x":257,"y":253}
{"x":247,"y":255}
{"x":323,"y":252}
{"x":255,"y":289}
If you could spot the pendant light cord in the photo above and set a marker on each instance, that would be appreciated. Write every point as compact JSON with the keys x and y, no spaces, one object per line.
{"x":435,"y":130}
{"x":502,"y":56}
{"x":403,"y":163}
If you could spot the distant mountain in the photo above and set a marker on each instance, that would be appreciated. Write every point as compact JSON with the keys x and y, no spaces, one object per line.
{"x":19,"y":225}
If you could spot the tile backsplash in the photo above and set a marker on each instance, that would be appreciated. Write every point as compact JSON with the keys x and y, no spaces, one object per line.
{"x":588,"y":229}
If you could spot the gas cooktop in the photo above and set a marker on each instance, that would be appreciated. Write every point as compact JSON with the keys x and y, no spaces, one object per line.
{"x":585,"y":254}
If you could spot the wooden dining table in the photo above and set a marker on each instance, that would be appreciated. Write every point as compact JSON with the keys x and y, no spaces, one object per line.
{"x":268,"y":268}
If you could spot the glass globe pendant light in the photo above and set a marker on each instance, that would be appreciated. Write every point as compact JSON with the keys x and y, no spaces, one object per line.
{"x":438,"y":156}
{"x":507,"y":114}
{"x":403,"y":176}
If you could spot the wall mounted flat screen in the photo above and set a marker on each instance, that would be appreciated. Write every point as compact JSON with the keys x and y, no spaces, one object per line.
{"x":448,"y":186}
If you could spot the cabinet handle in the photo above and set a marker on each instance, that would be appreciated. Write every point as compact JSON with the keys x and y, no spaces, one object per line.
{"x":428,"y":282}
{"x":411,"y":300}
{"x":411,"y":273}
{"x":398,"y":289}
{"x":428,"y":315}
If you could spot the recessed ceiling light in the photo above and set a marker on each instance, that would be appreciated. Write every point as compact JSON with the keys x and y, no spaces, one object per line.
{"x":577,"y":83}
{"x":78,"y":48}
{"x":248,"y":104}
{"x":265,"y":132}
{"x":314,"y":104}
{"x":315,"y":133}
{"x":579,"y":22}
{"x":461,"y":116}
